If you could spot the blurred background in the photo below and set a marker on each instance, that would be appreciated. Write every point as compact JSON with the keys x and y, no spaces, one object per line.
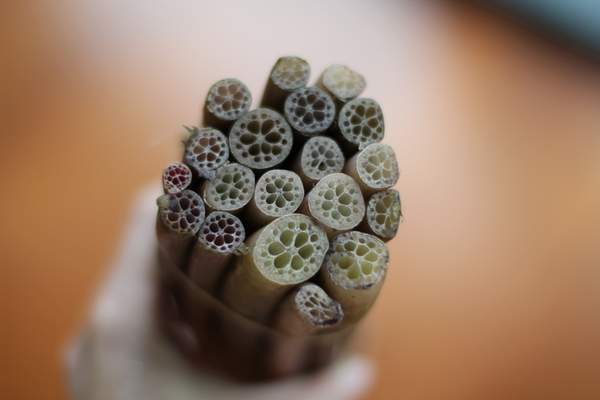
{"x":494,"y":287}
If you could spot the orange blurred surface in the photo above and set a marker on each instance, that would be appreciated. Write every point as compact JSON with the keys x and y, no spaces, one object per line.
{"x":494,"y":287}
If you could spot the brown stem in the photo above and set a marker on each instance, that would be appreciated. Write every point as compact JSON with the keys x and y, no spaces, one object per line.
{"x":286,"y":252}
{"x":374,"y":168}
{"x":221,"y":235}
{"x":310,"y":111}
{"x":305,"y":311}
{"x":226,"y":101}
{"x":176,"y":177}
{"x":206,"y":149}
{"x":384,"y":214}
{"x":180,"y":216}
{"x":261,"y":139}
{"x":354,"y":271}
{"x":288,"y":74}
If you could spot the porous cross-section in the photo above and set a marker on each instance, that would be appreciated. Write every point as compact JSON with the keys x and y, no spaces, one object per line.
{"x":231,"y":189}
{"x":206,"y":149}
{"x":343,"y":83}
{"x":261,"y":139}
{"x":181,"y":212}
{"x":361,"y":122}
{"x":290,"y":73}
{"x":309,"y":110}
{"x":336,"y":202}
{"x":317,"y":307}
{"x":377,"y":166}
{"x":290,"y":249}
{"x":176,"y":177}
{"x":279,"y":192}
{"x":321,"y":156}
{"x":222,"y":232}
{"x":384,"y":213}
{"x":228,"y":99}
{"x":356,"y":260}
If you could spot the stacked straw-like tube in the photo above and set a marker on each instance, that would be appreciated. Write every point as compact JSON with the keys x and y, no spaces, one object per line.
{"x":272,"y":228}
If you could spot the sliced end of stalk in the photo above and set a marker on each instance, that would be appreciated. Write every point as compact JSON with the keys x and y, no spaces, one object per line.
{"x":206,"y":150}
{"x":231,"y":189}
{"x":361,"y":122}
{"x":357,"y":260}
{"x":261,"y":139}
{"x":384,"y":213}
{"x":377,"y":166}
{"x":279,"y":192}
{"x":343,"y":83}
{"x":176,"y":177}
{"x":222,"y":232}
{"x":290,"y":249}
{"x":290,"y":73}
{"x":321,"y":156}
{"x":316,"y":307}
{"x":181,"y":212}
{"x":228,"y":99}
{"x":336,"y":202}
{"x":309,"y":110}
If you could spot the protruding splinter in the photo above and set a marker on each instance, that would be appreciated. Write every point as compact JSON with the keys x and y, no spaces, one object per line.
{"x":206,"y":149}
{"x":278,"y":192}
{"x":226,"y":101}
{"x":288,"y":251}
{"x":221,"y":235}
{"x":309,"y":111}
{"x":384,"y":214}
{"x":288,"y":74}
{"x":343,"y":83}
{"x":336,"y":203}
{"x":361,"y":122}
{"x":375,"y":168}
{"x":261,"y":139}
{"x":354,"y":271}
{"x":231,"y":189}
{"x":176,"y":178}
{"x":320,"y":156}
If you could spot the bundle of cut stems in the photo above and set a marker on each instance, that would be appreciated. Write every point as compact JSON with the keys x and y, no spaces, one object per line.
{"x":291,"y":254}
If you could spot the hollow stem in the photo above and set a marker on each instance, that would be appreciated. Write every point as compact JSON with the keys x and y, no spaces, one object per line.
{"x":307,"y":310}
{"x":288,"y":74}
{"x":261,"y":139}
{"x":226,"y":101}
{"x":230,"y":190}
{"x":336,"y":203}
{"x":288,"y":251}
{"x":221,"y":235}
{"x":360,"y":122}
{"x":342,"y":83}
{"x":310,"y":111}
{"x":320,"y":156}
{"x":354,"y":271}
{"x":278,"y":192}
{"x":180,"y":216}
{"x":375,"y":168}
{"x":176,"y":177}
{"x":384,"y":214}
{"x":206,"y":149}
